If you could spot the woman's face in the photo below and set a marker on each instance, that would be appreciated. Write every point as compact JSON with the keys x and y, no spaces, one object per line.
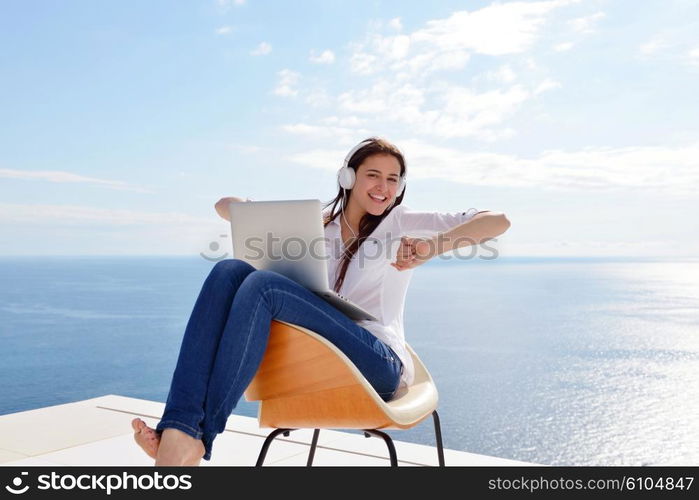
{"x":377,"y":180}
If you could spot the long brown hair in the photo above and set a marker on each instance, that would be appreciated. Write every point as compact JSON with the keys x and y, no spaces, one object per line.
{"x":374,"y":146}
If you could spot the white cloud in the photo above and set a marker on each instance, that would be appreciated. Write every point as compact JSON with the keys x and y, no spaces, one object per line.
{"x":363,"y":63}
{"x":562,"y":47}
{"x":320,"y":158}
{"x":87,"y":230}
{"x":473,"y":114}
{"x":318,"y":98}
{"x":224,"y":30}
{"x":67,"y":177}
{"x":653,"y":46}
{"x":676,"y":47}
{"x":458,"y":112}
{"x":401,"y":88}
{"x":386,"y":100}
{"x":245,"y":148}
{"x":694,"y":56}
{"x":262,"y":50}
{"x":586,"y":24}
{"x":395,"y":24}
{"x":338,"y":132}
{"x":504,"y":74}
{"x":225,"y":4}
{"x":662,"y":170}
{"x":287,"y":80}
{"x":77,"y":215}
{"x":547,"y":84}
{"x":495,"y":30}
{"x":326,"y":57}
{"x":345,"y":121}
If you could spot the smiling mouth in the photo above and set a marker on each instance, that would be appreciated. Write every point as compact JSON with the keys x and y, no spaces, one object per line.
{"x":378,"y":199}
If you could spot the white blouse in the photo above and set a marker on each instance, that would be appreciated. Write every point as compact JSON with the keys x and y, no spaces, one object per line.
{"x":372,"y":283}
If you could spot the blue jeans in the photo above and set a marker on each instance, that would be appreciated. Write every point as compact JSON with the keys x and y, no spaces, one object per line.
{"x":226,"y":337}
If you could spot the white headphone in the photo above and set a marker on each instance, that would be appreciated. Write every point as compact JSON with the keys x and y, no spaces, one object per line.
{"x":346,"y":176}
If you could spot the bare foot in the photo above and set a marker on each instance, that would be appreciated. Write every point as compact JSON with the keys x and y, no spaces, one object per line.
{"x":146,"y":437}
{"x":179,"y":448}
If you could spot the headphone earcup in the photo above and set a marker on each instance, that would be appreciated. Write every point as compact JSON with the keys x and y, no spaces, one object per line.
{"x":346,"y":177}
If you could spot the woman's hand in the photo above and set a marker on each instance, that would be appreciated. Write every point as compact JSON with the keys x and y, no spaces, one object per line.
{"x":412,"y":252}
{"x":222,"y":206}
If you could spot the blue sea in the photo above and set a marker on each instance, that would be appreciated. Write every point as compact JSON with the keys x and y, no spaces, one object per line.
{"x":558,"y":361}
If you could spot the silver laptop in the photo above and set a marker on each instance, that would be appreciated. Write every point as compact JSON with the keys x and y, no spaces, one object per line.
{"x":287,"y":237}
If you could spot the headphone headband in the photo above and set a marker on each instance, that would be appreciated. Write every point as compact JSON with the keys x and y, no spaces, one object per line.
{"x":354,"y":150}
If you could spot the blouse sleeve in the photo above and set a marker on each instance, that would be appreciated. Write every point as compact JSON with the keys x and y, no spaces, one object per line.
{"x":414,"y":223}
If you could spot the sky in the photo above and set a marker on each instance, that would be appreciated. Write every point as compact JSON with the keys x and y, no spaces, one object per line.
{"x":123,"y":122}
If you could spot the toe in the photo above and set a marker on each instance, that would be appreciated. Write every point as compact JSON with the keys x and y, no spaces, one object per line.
{"x":138,"y":424}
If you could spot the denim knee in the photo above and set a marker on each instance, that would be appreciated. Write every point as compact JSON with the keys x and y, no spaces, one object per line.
{"x":258,"y":280}
{"x":232,"y":266}
{"x":231,"y":270}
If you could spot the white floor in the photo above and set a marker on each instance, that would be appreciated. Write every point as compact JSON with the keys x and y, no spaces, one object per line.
{"x":98,"y":432}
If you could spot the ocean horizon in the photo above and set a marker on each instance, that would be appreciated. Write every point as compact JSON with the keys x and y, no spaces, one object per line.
{"x":552,"y":360}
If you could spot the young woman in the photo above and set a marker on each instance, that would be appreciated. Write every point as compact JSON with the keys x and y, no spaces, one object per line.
{"x":366,"y":228}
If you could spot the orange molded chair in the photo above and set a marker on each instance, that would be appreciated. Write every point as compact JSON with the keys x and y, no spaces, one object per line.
{"x":304,"y":381}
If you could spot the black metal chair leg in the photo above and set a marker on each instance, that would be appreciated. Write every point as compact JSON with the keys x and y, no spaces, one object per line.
{"x":314,"y":443}
{"x":389,"y":442}
{"x":367,"y":432}
{"x":438,"y":434}
{"x":268,"y":441}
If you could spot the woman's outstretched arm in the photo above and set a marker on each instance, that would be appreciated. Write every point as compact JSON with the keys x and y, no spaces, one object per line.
{"x":482,"y":227}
